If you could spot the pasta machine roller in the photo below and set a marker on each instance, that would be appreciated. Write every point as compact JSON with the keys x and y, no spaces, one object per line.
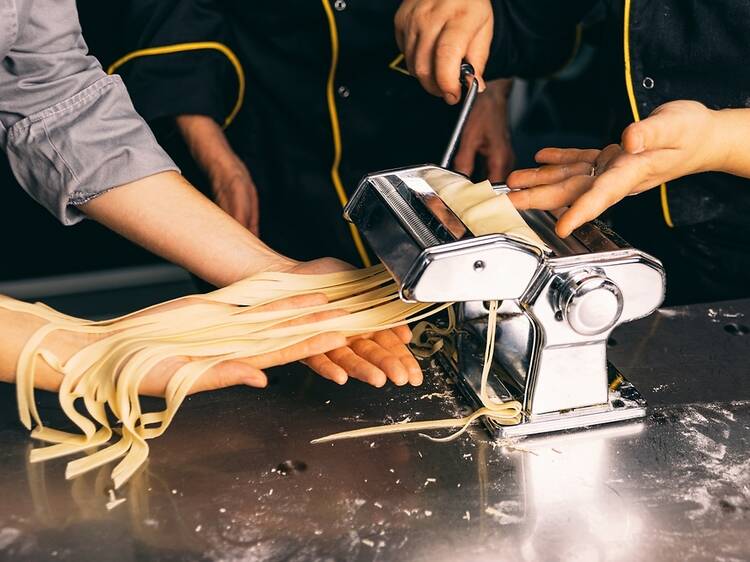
{"x":559,"y":305}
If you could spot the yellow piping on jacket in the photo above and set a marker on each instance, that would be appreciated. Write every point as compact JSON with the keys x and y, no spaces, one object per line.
{"x":634,"y":107}
{"x":336,"y":131}
{"x":196,"y":46}
{"x":395,"y":64}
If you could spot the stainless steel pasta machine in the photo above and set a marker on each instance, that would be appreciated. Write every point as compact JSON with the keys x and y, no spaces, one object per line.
{"x":558,"y":307}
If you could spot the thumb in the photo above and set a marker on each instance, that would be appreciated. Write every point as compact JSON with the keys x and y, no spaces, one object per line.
{"x":660,"y":130}
{"x":230,"y":373}
{"x":478,"y":52}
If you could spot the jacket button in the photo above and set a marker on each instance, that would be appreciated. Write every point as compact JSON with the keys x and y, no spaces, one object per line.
{"x":340,"y":5}
{"x":648,"y":83}
{"x":343,"y":92}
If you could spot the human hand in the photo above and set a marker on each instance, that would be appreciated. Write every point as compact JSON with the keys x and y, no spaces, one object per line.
{"x":248,"y":371}
{"x":373,"y":358}
{"x":18,"y":326}
{"x":486,"y":133}
{"x":678,"y":139}
{"x":235,"y":192}
{"x":436,"y":35}
{"x":231,"y":183}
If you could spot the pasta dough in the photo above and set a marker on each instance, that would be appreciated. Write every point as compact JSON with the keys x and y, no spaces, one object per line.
{"x":485,"y":212}
{"x":223,"y":325}
{"x":212,"y":328}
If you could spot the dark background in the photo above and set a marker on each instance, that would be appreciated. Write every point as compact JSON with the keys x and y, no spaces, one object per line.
{"x":568,"y":110}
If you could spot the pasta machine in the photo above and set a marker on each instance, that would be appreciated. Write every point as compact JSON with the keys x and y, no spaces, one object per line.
{"x":558,"y":305}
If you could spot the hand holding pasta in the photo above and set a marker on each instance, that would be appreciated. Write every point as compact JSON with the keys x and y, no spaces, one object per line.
{"x":194,"y":343}
{"x":374,"y":359}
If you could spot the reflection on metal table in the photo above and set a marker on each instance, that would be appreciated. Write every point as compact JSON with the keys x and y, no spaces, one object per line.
{"x":235,"y":477}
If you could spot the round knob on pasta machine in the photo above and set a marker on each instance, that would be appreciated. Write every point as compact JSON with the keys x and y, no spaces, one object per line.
{"x":590,"y":302}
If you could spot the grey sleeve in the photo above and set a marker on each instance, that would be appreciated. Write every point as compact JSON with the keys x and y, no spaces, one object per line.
{"x":70,"y":131}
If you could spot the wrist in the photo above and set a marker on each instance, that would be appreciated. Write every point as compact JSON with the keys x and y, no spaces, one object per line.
{"x":209,"y":147}
{"x":268,"y":260}
{"x":729,"y":141}
{"x":225,"y":171}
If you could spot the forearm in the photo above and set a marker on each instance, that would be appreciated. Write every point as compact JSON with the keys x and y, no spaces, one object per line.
{"x":733,"y":127}
{"x":166,"y":215}
{"x":209,"y":146}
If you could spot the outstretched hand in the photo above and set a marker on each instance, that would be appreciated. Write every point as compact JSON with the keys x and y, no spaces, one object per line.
{"x":678,"y":139}
{"x":249,"y":371}
{"x":374,"y":358}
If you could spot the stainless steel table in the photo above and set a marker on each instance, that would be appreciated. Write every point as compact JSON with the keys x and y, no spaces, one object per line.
{"x":235,"y":477}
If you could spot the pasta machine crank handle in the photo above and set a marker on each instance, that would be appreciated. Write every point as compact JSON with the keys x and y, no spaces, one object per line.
{"x":466,"y":71}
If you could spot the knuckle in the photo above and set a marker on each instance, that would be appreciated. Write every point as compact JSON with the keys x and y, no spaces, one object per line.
{"x":445,"y":49}
{"x":422,"y":72}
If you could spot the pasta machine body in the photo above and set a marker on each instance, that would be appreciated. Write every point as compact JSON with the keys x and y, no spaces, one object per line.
{"x":558,"y":305}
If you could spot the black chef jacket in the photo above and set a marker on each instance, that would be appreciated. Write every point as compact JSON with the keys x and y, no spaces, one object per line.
{"x":284,"y":130}
{"x":698,"y":225}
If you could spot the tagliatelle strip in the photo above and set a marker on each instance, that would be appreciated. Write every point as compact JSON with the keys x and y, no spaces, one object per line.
{"x":504,"y":413}
{"x":106,"y":375}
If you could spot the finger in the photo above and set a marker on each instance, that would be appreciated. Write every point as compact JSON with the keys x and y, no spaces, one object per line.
{"x":326,"y":368}
{"x":424,"y":60}
{"x":607,"y":156}
{"x":401,"y":24}
{"x":659,"y":131}
{"x":497,"y":164}
{"x":450,"y":49}
{"x":310,"y":347}
{"x":549,"y":197}
{"x":403,"y":333}
{"x":520,"y":179}
{"x":509,"y":161}
{"x":357,"y":367}
{"x":547,"y":175}
{"x":566,"y":155}
{"x":605,"y":191}
{"x":388,"y":340}
{"x":478,"y":51}
{"x":399,"y":32}
{"x":374,"y":353}
{"x":467,"y":150}
{"x":254,"y":210}
{"x":229,"y":373}
{"x":499,"y":153}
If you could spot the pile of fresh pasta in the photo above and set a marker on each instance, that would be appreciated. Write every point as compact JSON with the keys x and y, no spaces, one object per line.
{"x":105,"y":376}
